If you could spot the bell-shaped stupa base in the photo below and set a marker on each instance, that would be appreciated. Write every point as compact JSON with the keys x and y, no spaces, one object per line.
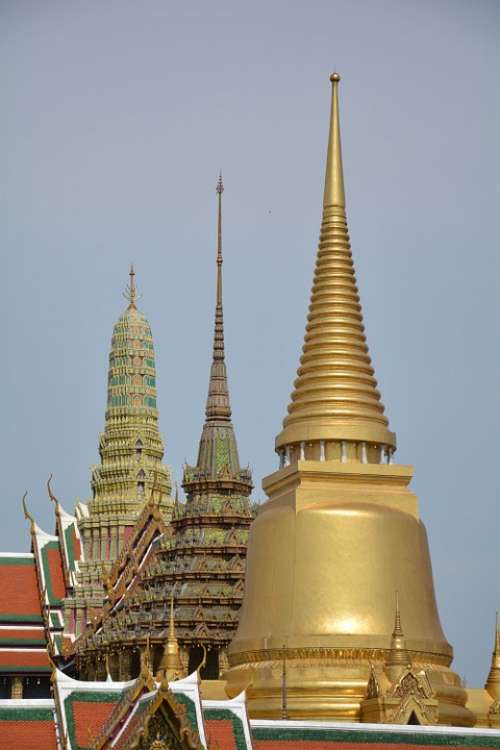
{"x":326,"y":555}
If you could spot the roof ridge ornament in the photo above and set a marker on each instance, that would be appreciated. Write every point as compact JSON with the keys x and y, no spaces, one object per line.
{"x":27,"y":514}
{"x":52,"y":497}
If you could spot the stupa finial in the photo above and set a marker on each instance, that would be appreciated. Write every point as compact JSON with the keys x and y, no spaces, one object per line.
{"x":219,"y":190}
{"x":334,"y":194}
{"x":131,"y":291}
{"x":398,"y":631}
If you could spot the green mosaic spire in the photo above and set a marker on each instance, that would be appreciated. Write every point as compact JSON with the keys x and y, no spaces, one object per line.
{"x":131,"y":448}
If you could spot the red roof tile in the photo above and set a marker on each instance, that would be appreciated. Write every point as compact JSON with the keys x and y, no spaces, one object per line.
{"x":89,"y":717}
{"x":26,"y":634}
{"x":311,"y":744}
{"x":220,"y":733}
{"x":19,"y":596}
{"x":36,"y":660}
{"x":28,"y":735}
{"x":56,"y":572}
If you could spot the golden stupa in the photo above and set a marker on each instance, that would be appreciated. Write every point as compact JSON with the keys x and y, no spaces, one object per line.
{"x":340,"y":533}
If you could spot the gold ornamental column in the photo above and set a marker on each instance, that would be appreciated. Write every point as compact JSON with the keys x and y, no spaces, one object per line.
{"x":340,"y":532}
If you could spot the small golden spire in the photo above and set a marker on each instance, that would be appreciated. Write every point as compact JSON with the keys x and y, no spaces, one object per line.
{"x":170,"y":666}
{"x":171,"y":623}
{"x":335,"y":396}
{"x":145,"y":659}
{"x":493,"y":681}
{"x":398,"y":631}
{"x":131,"y":291}
{"x":399,"y":658}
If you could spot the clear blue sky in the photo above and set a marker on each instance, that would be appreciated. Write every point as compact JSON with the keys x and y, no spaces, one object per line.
{"x":116,"y":118}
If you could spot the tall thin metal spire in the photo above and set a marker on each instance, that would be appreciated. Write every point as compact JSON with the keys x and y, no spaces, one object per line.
{"x":219,"y":190}
{"x":218,"y":406}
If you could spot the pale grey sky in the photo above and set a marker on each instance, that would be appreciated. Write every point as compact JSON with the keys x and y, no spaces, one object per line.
{"x":116,"y":118}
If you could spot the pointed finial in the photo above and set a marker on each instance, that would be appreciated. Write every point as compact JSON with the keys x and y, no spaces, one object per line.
{"x":146,"y":659}
{"x":493,"y":681}
{"x":27,"y":514}
{"x":399,"y":658}
{"x":334,"y":178}
{"x":219,"y":190}
{"x":171,"y":666}
{"x":398,"y":631}
{"x":131,"y":292}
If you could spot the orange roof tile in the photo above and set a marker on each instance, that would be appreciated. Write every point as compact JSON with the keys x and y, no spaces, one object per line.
{"x":28,"y":735}
{"x":19,"y":595}
{"x":89,"y":718}
{"x":37,"y":661}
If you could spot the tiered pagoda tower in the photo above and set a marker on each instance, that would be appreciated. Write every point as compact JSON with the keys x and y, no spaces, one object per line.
{"x":197,"y":564}
{"x":341,"y":531}
{"x":131,"y":452}
{"x":207,"y":563}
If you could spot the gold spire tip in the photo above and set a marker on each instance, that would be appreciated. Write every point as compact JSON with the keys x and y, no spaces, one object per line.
{"x":334,"y":78}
